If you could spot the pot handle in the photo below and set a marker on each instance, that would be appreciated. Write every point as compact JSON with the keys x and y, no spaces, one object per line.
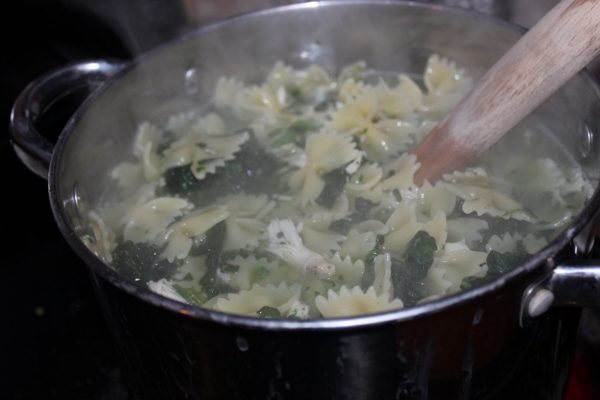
{"x":32,"y":148}
{"x":574,"y":283}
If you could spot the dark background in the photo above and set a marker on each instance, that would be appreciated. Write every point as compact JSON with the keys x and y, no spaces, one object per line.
{"x":53,"y":341}
{"x":54,"y":344}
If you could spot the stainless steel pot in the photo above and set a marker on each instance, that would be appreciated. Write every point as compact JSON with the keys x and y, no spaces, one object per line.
{"x":510,"y":337}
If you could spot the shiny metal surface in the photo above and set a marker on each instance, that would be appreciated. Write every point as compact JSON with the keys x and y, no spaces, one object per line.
{"x":30,"y":145}
{"x":576,"y":284}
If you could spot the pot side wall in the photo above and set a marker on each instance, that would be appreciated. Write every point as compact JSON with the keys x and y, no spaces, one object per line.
{"x":475,"y":350}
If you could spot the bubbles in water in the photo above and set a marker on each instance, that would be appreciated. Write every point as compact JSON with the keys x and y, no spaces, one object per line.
{"x":314,"y":53}
{"x":242,"y":344}
{"x":311,"y":52}
{"x":192,"y":80}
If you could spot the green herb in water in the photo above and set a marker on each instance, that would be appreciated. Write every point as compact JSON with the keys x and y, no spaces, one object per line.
{"x":268,"y":312}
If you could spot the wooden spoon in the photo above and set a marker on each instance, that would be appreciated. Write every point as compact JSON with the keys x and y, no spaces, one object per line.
{"x":554,"y":50}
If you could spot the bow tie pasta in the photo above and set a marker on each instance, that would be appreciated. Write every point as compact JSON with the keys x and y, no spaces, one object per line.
{"x":294,"y":198}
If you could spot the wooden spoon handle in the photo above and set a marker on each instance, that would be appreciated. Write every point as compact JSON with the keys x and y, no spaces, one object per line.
{"x":554,"y":50}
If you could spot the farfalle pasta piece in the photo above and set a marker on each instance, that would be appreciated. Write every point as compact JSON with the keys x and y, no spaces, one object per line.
{"x":128,"y":175}
{"x":507,"y":243}
{"x":379,"y":137}
{"x":180,"y":235}
{"x":255,"y":101}
{"x":376,"y":195}
{"x":487,"y":201}
{"x":180,"y":124}
{"x":280,"y":75}
{"x":286,"y":208}
{"x":411,"y":92}
{"x":117,"y":207}
{"x":446,"y":85}
{"x":244,"y":225}
{"x":325,"y":152}
{"x":350,"y":302}
{"x":441,"y":75}
{"x":399,"y":102}
{"x":504,"y":243}
{"x":350,"y":90}
{"x":203,"y":153}
{"x":424,"y":127}
{"x":226,"y":92}
{"x":211,"y":124}
{"x":302,"y":83}
{"x":290,"y":154}
{"x":466,"y":228}
{"x":214,"y":152}
{"x":355,"y":70}
{"x":541,"y":175}
{"x":318,"y":214}
{"x":248,"y":205}
{"x":436,"y":197}
{"x":190,"y":271}
{"x":252,"y":270}
{"x":148,"y":221}
{"x":312,"y":80}
{"x":285,"y":242}
{"x":400,"y":173}
{"x":371,"y":225}
{"x":242,"y":232}
{"x":534,"y":244}
{"x":102,"y":240}
{"x":460,"y":262}
{"x":144,"y":148}
{"x":474,"y":186}
{"x":435,"y":284}
{"x":321,"y":241}
{"x":402,"y":226}
{"x":348,"y":272}
{"x":358,"y":245}
{"x":165,"y":288}
{"x":382,"y":271}
{"x":299,"y":310}
{"x":247,"y":302}
{"x":367,"y":176}
{"x":437,"y":227}
{"x":470,"y":176}
{"x":577,"y":184}
{"x":560,"y":189}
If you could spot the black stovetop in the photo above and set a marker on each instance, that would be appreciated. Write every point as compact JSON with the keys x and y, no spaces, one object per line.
{"x":54,"y":341}
{"x":55,"y":344}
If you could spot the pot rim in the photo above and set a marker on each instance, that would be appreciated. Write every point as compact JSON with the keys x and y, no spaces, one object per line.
{"x":543,"y":257}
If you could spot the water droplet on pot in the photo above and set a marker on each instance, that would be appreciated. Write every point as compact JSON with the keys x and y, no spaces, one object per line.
{"x":586,"y":142}
{"x":76,"y":207}
{"x":242,"y":344}
{"x":192,"y":80}
{"x":477,"y":316}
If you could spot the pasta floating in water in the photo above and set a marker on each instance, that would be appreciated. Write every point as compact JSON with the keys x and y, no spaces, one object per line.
{"x":294,"y":198}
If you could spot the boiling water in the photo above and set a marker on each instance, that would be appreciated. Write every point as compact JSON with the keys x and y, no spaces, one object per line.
{"x":294,"y":198}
